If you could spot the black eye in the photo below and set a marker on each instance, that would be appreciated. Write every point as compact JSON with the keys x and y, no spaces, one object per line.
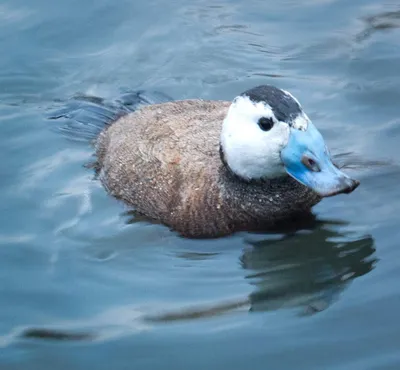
{"x":265,"y":123}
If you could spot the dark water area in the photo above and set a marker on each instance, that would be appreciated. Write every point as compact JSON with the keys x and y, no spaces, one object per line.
{"x":83,"y":283}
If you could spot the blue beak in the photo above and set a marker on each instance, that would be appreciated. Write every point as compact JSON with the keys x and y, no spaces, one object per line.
{"x":306,"y":158}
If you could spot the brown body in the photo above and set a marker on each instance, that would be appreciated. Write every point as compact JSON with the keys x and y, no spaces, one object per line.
{"x":164,"y":160}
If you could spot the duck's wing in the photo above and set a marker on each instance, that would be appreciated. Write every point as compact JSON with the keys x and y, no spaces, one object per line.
{"x":188,"y":129}
{"x":156,"y":158}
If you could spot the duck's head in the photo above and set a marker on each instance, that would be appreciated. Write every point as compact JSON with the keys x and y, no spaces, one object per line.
{"x":266,"y":135}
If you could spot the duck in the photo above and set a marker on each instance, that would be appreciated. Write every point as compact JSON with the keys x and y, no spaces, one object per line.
{"x":211,"y":168}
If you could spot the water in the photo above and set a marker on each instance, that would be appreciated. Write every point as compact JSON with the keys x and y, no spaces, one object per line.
{"x":84,"y":284}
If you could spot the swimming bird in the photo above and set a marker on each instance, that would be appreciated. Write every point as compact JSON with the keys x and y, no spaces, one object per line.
{"x":211,"y":168}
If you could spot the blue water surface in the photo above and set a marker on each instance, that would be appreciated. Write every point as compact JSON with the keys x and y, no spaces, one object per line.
{"x":84,"y":284}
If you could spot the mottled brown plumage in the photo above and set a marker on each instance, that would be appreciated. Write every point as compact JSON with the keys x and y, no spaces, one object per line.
{"x":164,"y":161}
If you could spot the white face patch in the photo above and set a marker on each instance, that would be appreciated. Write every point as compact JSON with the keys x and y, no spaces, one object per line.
{"x":249,"y":151}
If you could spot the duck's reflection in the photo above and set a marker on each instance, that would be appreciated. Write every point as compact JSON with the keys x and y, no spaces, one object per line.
{"x":306,"y":269}
{"x":304,"y":266}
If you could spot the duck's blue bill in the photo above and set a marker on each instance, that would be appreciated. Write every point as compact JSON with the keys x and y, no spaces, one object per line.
{"x":307,"y":159}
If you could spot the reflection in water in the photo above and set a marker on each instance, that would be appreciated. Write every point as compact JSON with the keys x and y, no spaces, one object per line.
{"x":306,"y":270}
{"x":350,"y":160}
{"x":52,"y":334}
{"x":380,"y":22}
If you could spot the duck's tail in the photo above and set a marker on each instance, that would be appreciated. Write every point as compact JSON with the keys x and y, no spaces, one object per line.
{"x":83,"y":117}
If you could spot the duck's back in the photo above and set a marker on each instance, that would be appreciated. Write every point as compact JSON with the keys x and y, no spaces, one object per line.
{"x":164,"y":159}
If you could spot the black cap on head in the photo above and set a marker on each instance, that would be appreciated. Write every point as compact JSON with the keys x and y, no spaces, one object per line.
{"x":283,"y":105}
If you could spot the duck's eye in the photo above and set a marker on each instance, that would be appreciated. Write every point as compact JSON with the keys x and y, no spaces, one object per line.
{"x":265,"y":123}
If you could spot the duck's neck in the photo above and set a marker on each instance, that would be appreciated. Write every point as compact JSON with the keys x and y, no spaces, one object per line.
{"x":263,"y":200}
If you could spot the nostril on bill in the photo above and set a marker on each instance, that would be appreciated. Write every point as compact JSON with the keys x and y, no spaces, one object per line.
{"x":310,"y":163}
